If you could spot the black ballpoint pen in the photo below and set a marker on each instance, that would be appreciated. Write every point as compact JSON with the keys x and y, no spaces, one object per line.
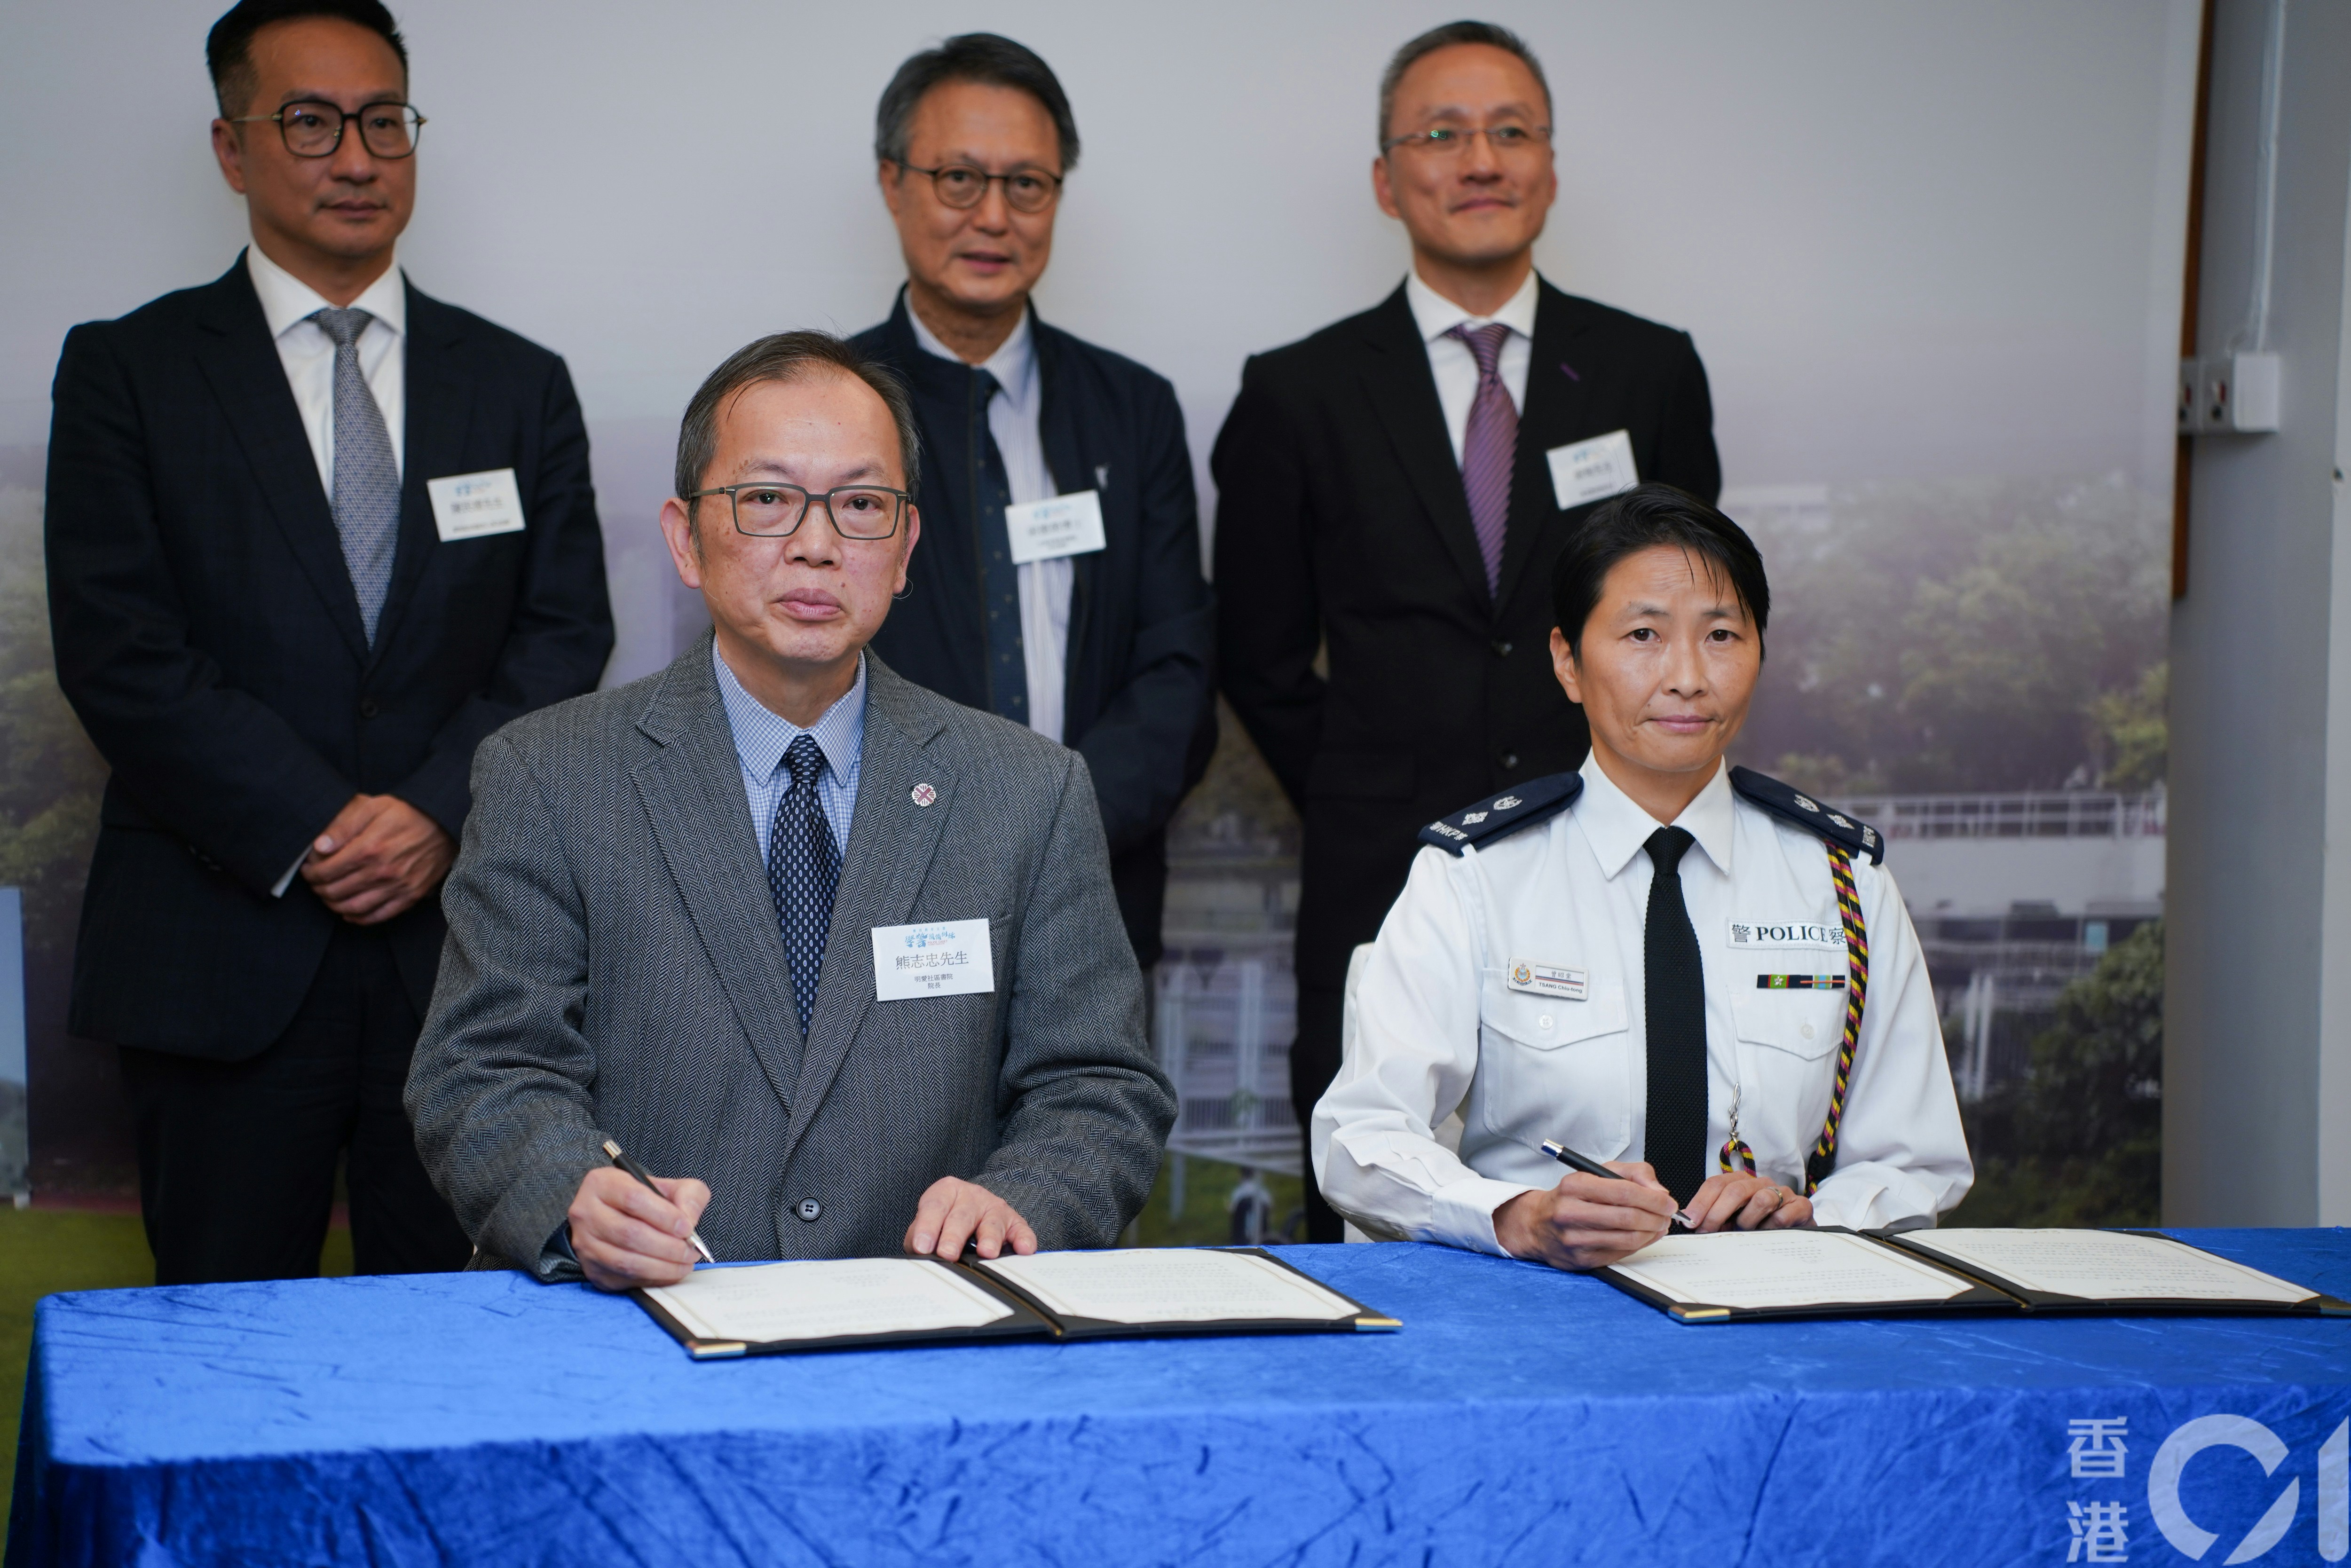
{"x":1591,"y":1166}
{"x":646,"y":1176}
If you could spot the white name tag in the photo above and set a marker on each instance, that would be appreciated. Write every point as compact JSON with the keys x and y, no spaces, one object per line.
{"x":469,"y":505}
{"x":1047,"y":530}
{"x":1592,"y":470}
{"x":1546,"y":980}
{"x":945,"y":958}
{"x":1786,"y":933}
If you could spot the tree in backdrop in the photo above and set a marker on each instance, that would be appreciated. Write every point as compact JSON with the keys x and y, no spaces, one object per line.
{"x":2078,"y":1140}
{"x":1965,"y":636}
{"x":50,"y":775}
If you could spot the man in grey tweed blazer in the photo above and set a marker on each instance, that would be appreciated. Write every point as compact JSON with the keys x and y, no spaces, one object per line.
{"x":661,"y":920}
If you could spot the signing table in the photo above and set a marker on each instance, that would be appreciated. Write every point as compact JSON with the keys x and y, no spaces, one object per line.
{"x":1521,"y":1416}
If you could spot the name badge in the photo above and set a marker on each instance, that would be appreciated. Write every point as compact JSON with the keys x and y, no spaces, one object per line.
{"x":1047,"y":530}
{"x":1787,"y":934}
{"x":471,"y":505}
{"x":1546,"y":980}
{"x":944,"y":958}
{"x":1592,"y":470}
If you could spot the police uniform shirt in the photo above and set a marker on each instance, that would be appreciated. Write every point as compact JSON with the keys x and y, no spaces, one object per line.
{"x":1507,"y":983}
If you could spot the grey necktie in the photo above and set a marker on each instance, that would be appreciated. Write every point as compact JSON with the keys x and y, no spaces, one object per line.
{"x":367,"y":479}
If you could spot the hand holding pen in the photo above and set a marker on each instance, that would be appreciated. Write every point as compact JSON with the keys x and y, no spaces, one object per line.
{"x":1594,"y":1216}
{"x":630,"y":1228}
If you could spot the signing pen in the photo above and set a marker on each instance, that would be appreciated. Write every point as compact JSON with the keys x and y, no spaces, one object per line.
{"x":1591,"y":1166}
{"x":646,"y":1176}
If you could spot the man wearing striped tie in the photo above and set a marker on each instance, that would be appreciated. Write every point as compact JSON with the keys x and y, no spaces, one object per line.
{"x":312,"y":534}
{"x":1394,"y":490}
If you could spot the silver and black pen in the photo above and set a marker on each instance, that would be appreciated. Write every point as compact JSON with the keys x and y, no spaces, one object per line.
{"x":646,"y":1176}
{"x":1591,"y":1166}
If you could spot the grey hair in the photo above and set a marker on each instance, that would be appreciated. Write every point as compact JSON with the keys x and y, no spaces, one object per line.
{"x":971,"y":57}
{"x":1445,"y":38}
{"x":784,"y":356}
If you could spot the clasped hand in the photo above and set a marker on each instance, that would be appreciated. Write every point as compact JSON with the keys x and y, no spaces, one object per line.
{"x":1590,"y":1222}
{"x":377,"y":858}
{"x":625,"y":1234}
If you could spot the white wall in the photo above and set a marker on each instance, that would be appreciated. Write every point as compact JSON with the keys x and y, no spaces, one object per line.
{"x":2257,"y":1044}
{"x":1913,"y":242}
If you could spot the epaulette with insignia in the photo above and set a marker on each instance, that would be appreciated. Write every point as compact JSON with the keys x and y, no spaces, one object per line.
{"x":1536,"y":800}
{"x":1796,"y":806}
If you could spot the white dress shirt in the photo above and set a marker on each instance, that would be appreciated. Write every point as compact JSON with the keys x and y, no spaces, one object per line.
{"x":1450,"y":361}
{"x":308,"y":354}
{"x":1045,"y":585}
{"x":1439,"y":1026}
{"x":762,"y":735}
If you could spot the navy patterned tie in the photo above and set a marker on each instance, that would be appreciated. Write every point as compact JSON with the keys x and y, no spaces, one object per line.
{"x":1489,"y":447}
{"x":1674,"y":980}
{"x":803,"y":870}
{"x":999,"y":579}
{"x":367,"y":480}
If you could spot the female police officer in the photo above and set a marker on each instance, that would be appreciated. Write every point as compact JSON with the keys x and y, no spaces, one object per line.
{"x":1690,"y":971}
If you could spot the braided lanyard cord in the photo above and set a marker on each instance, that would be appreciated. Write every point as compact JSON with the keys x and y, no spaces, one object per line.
{"x":1856,"y":946}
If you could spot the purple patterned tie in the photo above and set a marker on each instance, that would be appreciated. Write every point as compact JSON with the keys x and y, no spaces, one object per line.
{"x":1489,"y":447}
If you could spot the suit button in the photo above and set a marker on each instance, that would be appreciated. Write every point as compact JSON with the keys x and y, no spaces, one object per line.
{"x":808,"y":1208}
{"x":1510,"y":759}
{"x":369,"y":707}
{"x":1502,"y":650}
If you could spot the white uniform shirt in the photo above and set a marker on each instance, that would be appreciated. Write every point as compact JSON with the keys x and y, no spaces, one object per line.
{"x":1438,"y":1027}
{"x":1452,"y":363}
{"x":1045,"y":585}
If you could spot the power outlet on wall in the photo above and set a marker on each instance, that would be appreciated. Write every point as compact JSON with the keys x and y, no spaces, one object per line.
{"x":2229,"y":394}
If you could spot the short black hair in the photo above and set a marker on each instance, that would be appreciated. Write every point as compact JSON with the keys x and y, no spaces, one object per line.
{"x":1641,"y":519}
{"x":228,"y":49}
{"x":1445,"y":38}
{"x":784,"y":356}
{"x":971,"y":57}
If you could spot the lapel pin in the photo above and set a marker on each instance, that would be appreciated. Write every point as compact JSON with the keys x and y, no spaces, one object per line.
{"x":1570,"y":371}
{"x":923,"y":794}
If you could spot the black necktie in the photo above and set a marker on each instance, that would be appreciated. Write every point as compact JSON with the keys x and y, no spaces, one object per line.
{"x":1676,"y":978}
{"x":803,"y":870}
{"x":999,"y":577}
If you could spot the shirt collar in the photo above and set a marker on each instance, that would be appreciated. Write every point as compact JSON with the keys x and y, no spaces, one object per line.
{"x":287,"y":301}
{"x":1014,"y":364}
{"x":1436,"y":315}
{"x":1619,"y":830}
{"x":763,"y":736}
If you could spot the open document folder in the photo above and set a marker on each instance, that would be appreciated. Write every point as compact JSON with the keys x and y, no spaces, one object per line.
{"x":855,"y":1303}
{"x":1832,"y":1273}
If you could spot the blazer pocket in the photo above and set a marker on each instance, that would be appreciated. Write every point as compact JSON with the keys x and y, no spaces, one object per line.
{"x":1791,"y":1021}
{"x":1361,"y":776}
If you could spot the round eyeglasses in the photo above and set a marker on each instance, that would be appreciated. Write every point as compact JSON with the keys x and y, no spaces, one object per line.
{"x":961,"y":185}
{"x":768,"y":510}
{"x":314,"y":128}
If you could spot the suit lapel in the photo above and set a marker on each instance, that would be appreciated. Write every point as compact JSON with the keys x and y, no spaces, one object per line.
{"x":440,"y":398}
{"x":1403,"y":392}
{"x":241,"y":366}
{"x":891,"y":842}
{"x":1555,"y":412}
{"x":693,"y":795}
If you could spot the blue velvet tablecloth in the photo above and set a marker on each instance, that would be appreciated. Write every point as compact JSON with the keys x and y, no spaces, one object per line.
{"x":1521,"y":1416}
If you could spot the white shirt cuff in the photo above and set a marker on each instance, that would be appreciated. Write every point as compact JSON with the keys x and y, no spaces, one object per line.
{"x":1462,"y":1213}
{"x":287,"y":880}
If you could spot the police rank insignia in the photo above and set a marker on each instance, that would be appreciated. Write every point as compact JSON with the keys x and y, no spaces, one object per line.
{"x":1795,"y":807}
{"x":1536,"y":800}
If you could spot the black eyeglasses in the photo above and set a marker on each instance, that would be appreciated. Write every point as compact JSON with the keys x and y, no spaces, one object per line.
{"x":314,"y":128}
{"x":1447,"y":139}
{"x":961,"y":185}
{"x":768,"y":510}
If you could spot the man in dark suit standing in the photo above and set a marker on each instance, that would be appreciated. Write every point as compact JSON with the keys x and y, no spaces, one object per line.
{"x":1060,"y":587}
{"x":1394,"y":490}
{"x":311,"y":535}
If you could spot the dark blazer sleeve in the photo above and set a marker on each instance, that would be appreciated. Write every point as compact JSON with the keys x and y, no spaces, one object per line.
{"x":1084,"y":1107}
{"x":1686,"y":455}
{"x":218,"y":767}
{"x":1140,"y":746}
{"x":562,"y":628}
{"x":1269,"y":618}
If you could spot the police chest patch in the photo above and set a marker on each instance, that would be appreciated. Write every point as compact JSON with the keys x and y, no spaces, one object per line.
{"x":1787,"y":934}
